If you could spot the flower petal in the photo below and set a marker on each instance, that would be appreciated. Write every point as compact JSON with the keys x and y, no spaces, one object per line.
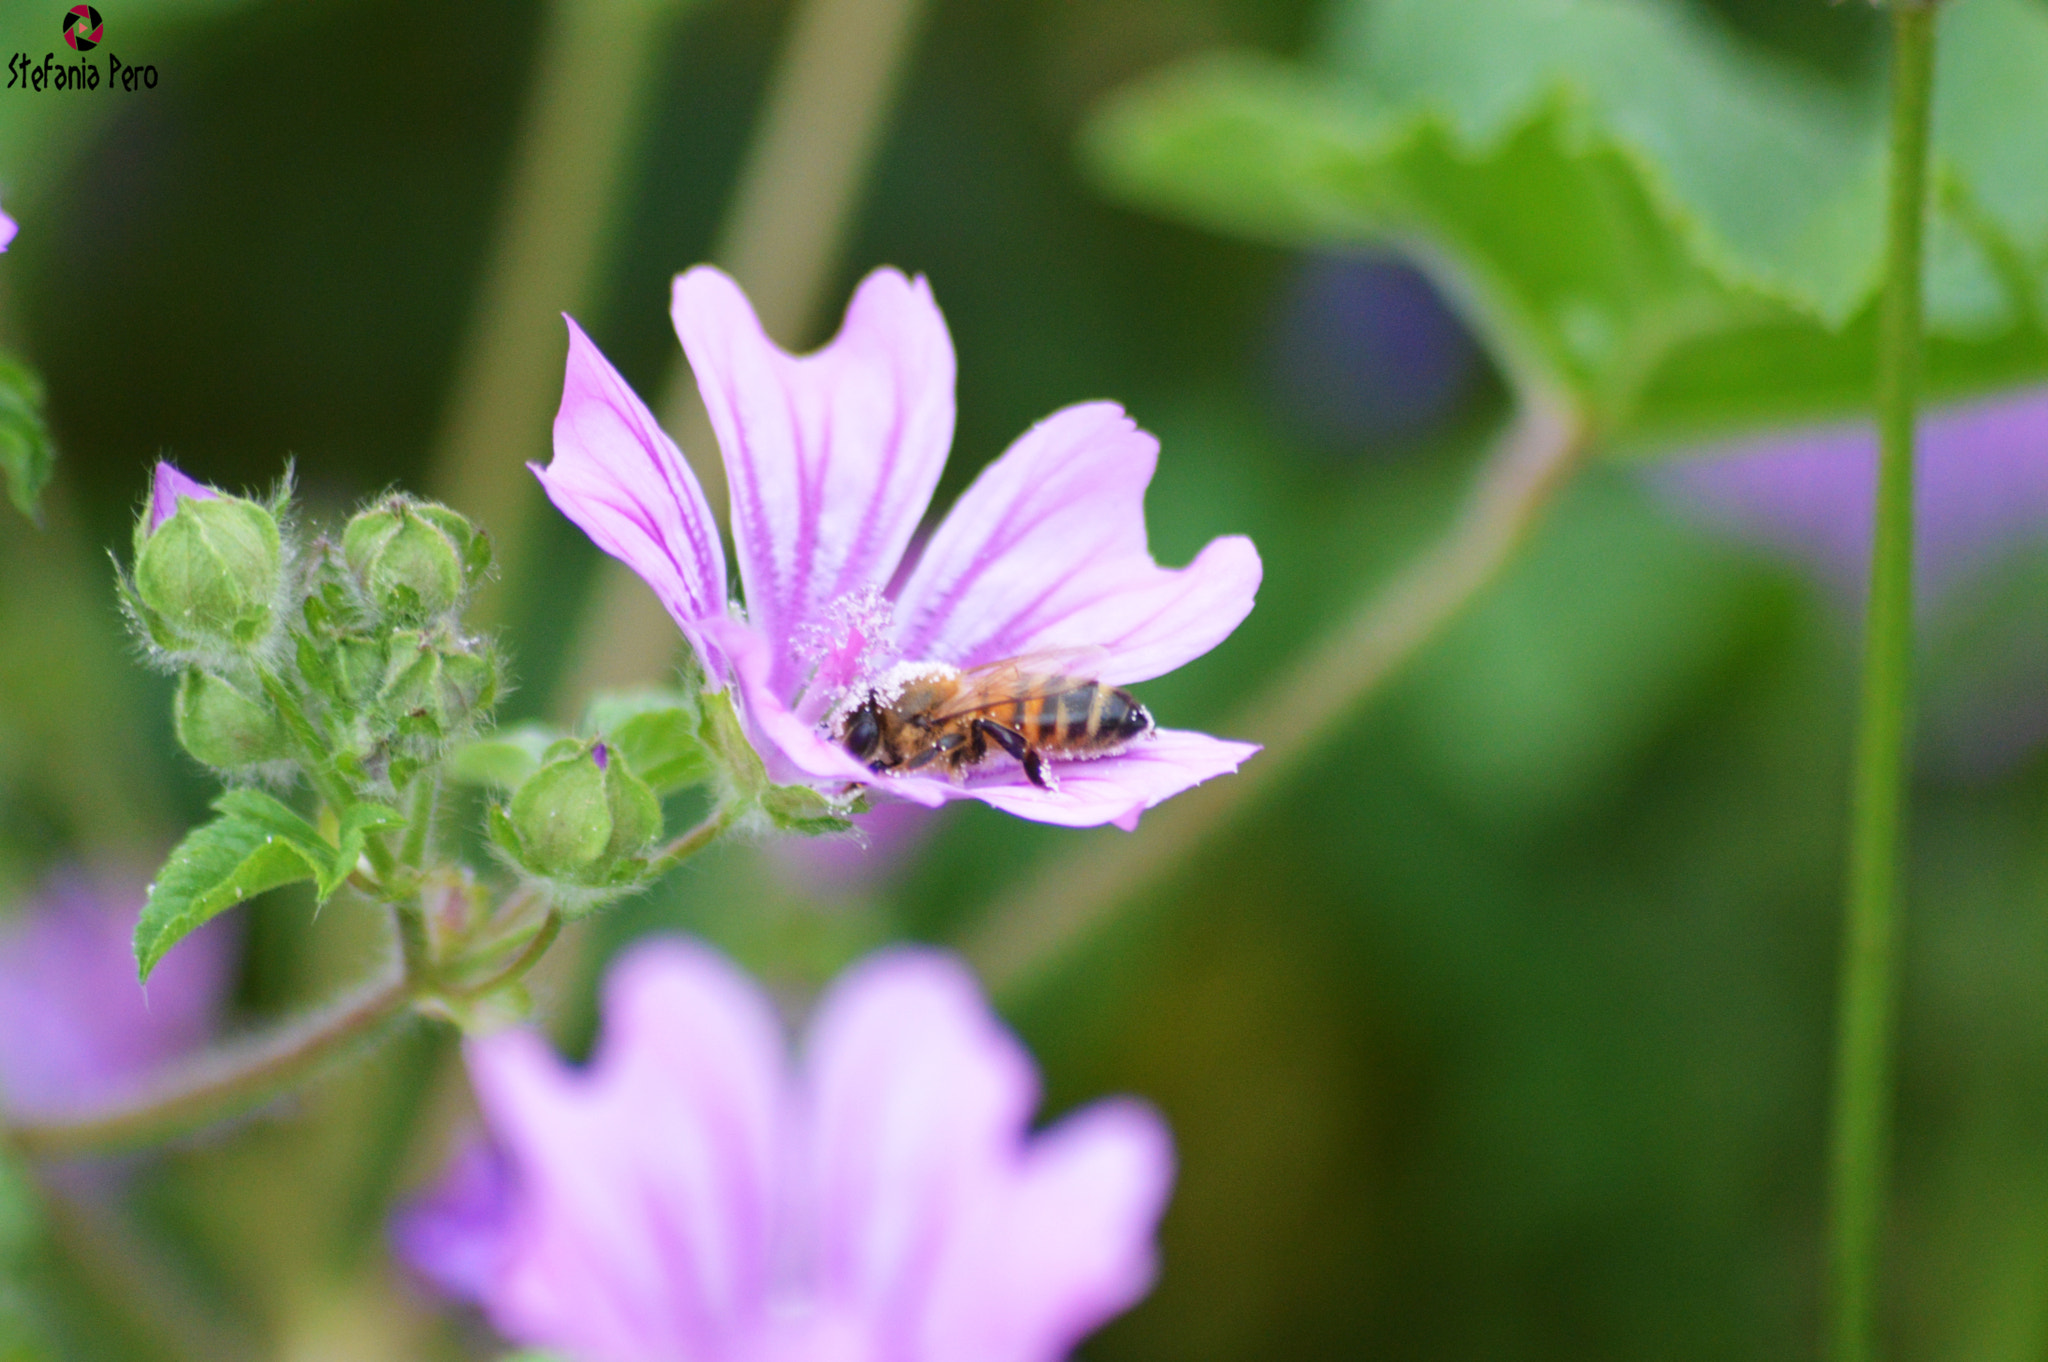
{"x":1047,"y":550}
{"x":7,"y":230}
{"x":1981,"y":486}
{"x":919,"y":1100}
{"x":1119,"y":789}
{"x":626,"y":485}
{"x":647,"y":1185}
{"x":1070,"y":1247}
{"x":75,"y":1027}
{"x":457,"y":1233}
{"x":832,"y":457}
{"x":167,"y":487}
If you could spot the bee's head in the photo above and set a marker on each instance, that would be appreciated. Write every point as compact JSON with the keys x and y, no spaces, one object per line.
{"x":864,"y":729}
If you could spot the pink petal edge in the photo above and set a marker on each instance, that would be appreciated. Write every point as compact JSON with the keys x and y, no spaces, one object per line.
{"x":619,"y":477}
{"x":1073,"y":1246}
{"x":832,"y":457}
{"x":649,"y":1180}
{"x":919,"y":1098}
{"x":1047,"y":549}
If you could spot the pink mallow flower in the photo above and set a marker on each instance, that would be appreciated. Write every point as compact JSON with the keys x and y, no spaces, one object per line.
{"x":7,"y":230}
{"x":76,"y":1029}
{"x":832,"y":459}
{"x":692,"y":1196}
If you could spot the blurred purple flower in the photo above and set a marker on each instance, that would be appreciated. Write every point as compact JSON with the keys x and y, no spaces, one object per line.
{"x":689,"y":1198}
{"x":167,"y":488}
{"x":1981,"y":486}
{"x":75,"y":1027}
{"x":1363,"y":353}
{"x":832,"y":459}
{"x":7,"y":231}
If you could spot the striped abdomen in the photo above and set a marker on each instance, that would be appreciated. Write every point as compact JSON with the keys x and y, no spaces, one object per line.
{"x":1079,"y":718}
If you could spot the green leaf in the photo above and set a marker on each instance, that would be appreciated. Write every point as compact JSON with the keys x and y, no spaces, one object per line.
{"x":1544,"y":201}
{"x":504,"y":759}
{"x":220,"y":864}
{"x":357,"y":823}
{"x":1558,"y":254}
{"x":1774,"y":180}
{"x":27,"y":457}
{"x":802,"y":810}
{"x":664,"y":748}
{"x":279,"y":820}
{"x":257,"y":844}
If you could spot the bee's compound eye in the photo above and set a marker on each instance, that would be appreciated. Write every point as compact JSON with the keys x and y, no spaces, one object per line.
{"x":863,"y":733}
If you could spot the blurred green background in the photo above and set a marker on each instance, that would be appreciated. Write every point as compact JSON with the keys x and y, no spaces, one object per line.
{"x":1502,"y":1031}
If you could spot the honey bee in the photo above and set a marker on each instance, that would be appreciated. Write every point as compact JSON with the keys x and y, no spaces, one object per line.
{"x":1031,"y":707}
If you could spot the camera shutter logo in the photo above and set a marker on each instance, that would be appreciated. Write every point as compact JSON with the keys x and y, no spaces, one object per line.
{"x":82,"y":28}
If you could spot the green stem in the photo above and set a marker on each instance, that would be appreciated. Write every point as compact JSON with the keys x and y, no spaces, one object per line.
{"x":544,"y":937}
{"x":415,"y":951}
{"x":419,"y":827}
{"x":694,"y":841}
{"x":221,"y":1083}
{"x":1860,"y":1145}
{"x":312,"y":750}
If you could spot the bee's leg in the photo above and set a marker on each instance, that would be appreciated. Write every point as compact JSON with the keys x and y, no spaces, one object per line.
{"x":924,"y":758}
{"x":1018,"y":746}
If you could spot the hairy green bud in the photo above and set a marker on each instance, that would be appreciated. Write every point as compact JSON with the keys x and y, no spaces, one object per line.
{"x":209,"y":573}
{"x":562,"y":817}
{"x":413,"y":559}
{"x":636,"y":813}
{"x":436,"y":685}
{"x":224,"y":728}
{"x":584,"y":819}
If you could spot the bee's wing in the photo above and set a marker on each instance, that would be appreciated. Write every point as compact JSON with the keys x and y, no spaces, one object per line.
{"x":1047,"y":670}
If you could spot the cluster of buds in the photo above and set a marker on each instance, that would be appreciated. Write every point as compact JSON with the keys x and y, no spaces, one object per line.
{"x":393,"y":676}
{"x":348,"y":657}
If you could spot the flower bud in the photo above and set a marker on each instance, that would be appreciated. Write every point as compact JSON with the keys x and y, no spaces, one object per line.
{"x":436,"y":686}
{"x":414,"y":559}
{"x":636,"y":813}
{"x":209,"y":568}
{"x":582,"y":818}
{"x":224,"y":728}
{"x":563,"y":817}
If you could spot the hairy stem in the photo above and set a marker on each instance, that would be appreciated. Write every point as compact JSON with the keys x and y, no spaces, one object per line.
{"x":1860,"y":1144}
{"x":220,"y":1083}
{"x":419,"y":826}
{"x":695,"y":840}
{"x":543,"y":937}
{"x":1028,"y":931}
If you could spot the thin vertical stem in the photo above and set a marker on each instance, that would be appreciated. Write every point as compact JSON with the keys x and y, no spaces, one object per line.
{"x":1860,"y":1148}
